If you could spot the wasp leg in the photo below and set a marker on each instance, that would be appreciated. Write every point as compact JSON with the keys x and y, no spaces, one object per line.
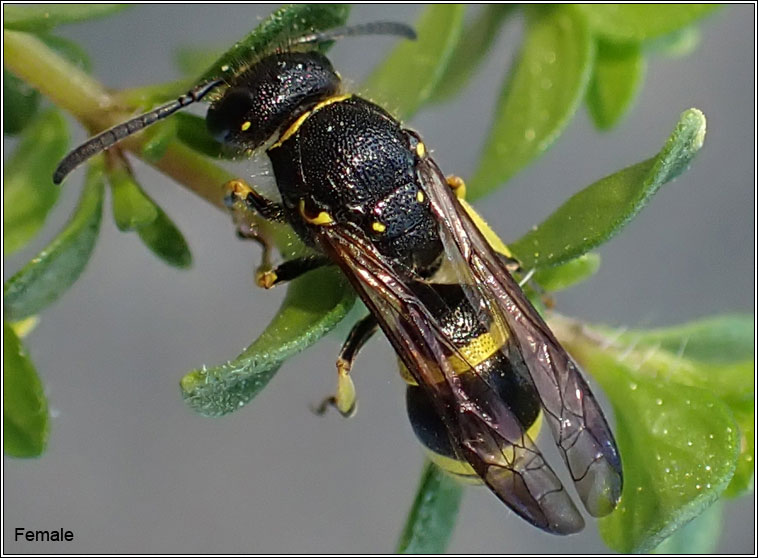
{"x":240,"y":191}
{"x":266,"y":277}
{"x":457,"y":185}
{"x":344,"y":399}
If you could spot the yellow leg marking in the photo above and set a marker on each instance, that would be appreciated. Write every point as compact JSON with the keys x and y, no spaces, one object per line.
{"x":344,"y":400}
{"x":323,"y":218}
{"x":238,"y":188}
{"x":457,"y":185}
{"x":265,"y":278}
{"x":486,"y":230}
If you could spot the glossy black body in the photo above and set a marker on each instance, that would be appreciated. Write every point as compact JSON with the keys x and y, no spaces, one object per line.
{"x":270,"y":94}
{"x":354,"y":161}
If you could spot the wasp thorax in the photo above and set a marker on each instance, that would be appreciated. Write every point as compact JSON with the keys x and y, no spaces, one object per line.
{"x":265,"y":99}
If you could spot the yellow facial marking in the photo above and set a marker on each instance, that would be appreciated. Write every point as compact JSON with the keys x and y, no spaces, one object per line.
{"x":323,"y":218}
{"x":295,"y":126}
{"x":378,"y":227}
{"x":420,"y":149}
{"x":420,"y":196}
{"x":245,"y":126}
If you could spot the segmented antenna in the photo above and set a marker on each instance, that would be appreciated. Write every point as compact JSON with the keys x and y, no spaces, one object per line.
{"x":104,"y":140}
{"x":374,"y":28}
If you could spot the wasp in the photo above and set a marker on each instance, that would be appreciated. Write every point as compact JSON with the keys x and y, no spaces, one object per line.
{"x":483,"y":369}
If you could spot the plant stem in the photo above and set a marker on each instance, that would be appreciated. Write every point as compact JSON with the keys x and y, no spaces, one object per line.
{"x":75,"y":91}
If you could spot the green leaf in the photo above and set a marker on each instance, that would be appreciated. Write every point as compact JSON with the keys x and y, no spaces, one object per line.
{"x":679,"y":447}
{"x":623,"y":23}
{"x":677,"y":44}
{"x":719,"y":339}
{"x":541,"y":94}
{"x":25,"y":418}
{"x":472,"y":47}
{"x":601,"y":210}
{"x":166,"y":241}
{"x":406,"y":79}
{"x":41,"y":17}
{"x":161,"y":136}
{"x":616,"y":81}
{"x":193,"y":132}
{"x":132,"y":208}
{"x":699,"y":536}
{"x":192,"y":60}
{"x":291,"y":21}
{"x":20,"y":103}
{"x":715,"y":354}
{"x":28,"y":189}
{"x":44,"y":279}
{"x":568,"y":274}
{"x":301,"y":321}
{"x":432,"y":518}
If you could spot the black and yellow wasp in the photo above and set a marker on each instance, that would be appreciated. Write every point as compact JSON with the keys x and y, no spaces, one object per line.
{"x":363,"y":193}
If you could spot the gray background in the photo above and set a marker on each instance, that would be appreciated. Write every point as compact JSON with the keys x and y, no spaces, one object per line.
{"x":131,"y":469}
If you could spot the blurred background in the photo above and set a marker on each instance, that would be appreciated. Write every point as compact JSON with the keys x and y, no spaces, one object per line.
{"x":131,"y":469}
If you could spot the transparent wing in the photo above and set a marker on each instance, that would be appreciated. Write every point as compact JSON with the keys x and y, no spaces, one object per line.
{"x":575,"y":418}
{"x":482,"y":427}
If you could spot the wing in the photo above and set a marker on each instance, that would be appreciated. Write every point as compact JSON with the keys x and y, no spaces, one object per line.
{"x":576,"y":420}
{"x":482,"y":428}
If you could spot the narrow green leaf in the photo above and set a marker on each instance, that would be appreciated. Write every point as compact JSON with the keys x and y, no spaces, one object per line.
{"x":28,"y":190}
{"x":287,"y":22}
{"x":616,"y":81}
{"x":432,"y":518}
{"x":192,"y":60}
{"x":601,"y":210}
{"x":192,"y":132}
{"x":541,"y":94}
{"x":132,"y":208}
{"x":41,"y":17}
{"x":568,"y":274}
{"x":20,"y":104}
{"x":472,"y":48}
{"x":623,"y":23}
{"x":677,"y":44}
{"x":718,"y":339}
{"x":679,"y":447}
{"x":161,"y":137}
{"x":166,"y":241}
{"x":301,"y":321}
{"x":699,"y":536}
{"x":406,"y":79}
{"x":44,"y":279}
{"x":25,"y":418}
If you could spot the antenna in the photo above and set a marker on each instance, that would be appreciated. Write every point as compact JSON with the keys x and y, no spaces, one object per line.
{"x":374,"y":28}
{"x":107,"y":138}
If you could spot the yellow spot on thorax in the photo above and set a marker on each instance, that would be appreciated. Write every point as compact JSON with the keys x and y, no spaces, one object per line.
{"x":420,"y":196}
{"x":378,"y":227}
{"x":420,"y":149}
{"x":323,"y":218}
{"x":245,"y":126}
{"x":295,"y":126}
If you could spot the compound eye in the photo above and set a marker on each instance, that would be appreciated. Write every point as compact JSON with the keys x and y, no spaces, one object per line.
{"x":229,"y":116}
